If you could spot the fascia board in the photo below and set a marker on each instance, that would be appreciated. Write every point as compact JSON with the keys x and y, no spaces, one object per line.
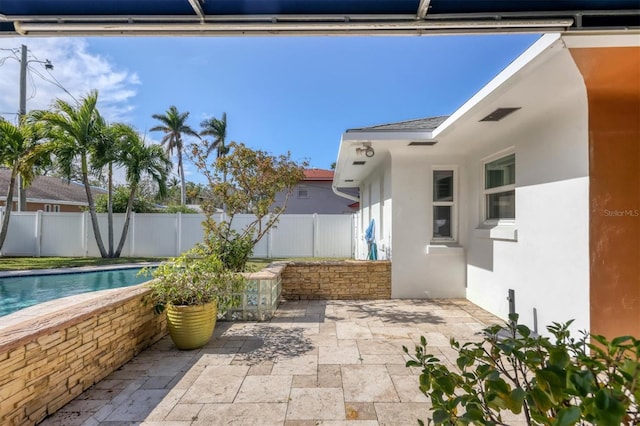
{"x":627,"y":39}
{"x":60,"y":202}
{"x":507,"y":74}
{"x":386,"y":135}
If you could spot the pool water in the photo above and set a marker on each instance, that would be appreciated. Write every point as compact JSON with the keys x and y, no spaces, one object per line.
{"x":21,"y":292}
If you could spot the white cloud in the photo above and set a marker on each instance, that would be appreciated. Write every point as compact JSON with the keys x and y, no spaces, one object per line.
{"x":75,"y":68}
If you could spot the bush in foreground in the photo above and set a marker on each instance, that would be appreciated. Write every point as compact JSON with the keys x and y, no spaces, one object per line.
{"x":550,"y":381}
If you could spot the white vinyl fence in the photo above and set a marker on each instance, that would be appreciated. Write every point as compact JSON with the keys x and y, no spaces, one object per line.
{"x":71,"y":234}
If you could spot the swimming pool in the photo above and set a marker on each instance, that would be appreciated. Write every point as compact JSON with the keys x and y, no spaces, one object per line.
{"x":21,"y":292}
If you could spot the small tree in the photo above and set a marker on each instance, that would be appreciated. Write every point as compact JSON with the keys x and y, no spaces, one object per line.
{"x":253,"y":178}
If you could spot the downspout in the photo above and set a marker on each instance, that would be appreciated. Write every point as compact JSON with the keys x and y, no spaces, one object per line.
{"x":344,"y":194}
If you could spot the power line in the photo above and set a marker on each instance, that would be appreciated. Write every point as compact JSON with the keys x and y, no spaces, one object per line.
{"x":47,"y":66}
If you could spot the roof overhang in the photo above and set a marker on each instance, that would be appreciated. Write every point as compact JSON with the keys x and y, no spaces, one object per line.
{"x":525,"y":85}
{"x":310,"y":17}
{"x":354,"y":164}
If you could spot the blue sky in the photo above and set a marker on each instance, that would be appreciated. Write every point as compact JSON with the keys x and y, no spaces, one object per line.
{"x":280,"y":94}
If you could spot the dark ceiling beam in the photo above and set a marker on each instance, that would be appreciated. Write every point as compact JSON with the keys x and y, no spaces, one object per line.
{"x":197,"y":8}
{"x":423,"y":9}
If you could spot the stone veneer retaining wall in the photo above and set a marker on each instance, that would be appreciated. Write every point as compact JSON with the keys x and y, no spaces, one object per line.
{"x":50,"y":353}
{"x":49,"y":359}
{"x":337,"y":280}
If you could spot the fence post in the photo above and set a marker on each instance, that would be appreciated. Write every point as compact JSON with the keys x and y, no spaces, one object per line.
{"x":38,"y":232}
{"x":85,"y":233}
{"x":132,"y":233}
{"x":178,"y":233}
{"x":269,"y":240}
{"x":314,"y":235}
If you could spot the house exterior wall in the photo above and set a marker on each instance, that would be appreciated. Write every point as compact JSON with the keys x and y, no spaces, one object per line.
{"x":375,"y":203}
{"x":548,"y":263}
{"x":422,"y":268}
{"x":320,"y":199}
{"x":612,"y":78}
{"x":63,"y":208}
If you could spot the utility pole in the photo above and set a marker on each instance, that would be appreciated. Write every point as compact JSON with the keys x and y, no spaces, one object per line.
{"x":22,"y":193}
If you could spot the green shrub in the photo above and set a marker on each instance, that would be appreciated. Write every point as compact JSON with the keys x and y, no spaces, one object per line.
{"x":551,"y":381}
{"x":179,"y":208}
{"x":194,"y":278}
{"x":233,"y":249}
{"x":120,"y":200}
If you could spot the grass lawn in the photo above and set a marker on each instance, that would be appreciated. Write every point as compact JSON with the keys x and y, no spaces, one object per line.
{"x":21,"y":263}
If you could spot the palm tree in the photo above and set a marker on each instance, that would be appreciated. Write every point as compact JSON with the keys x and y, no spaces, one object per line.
{"x":139,"y":159}
{"x":73,"y":133}
{"x":103,"y":154}
{"x":174,"y":125}
{"x":218,"y":129}
{"x":19,"y":152}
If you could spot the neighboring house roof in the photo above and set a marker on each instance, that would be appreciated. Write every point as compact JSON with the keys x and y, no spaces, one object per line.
{"x":49,"y":189}
{"x":424,"y":124}
{"x":318,"y":174}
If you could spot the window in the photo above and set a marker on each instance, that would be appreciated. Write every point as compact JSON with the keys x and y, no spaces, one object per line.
{"x":303,"y":192}
{"x":500,"y":188}
{"x":56,"y":208}
{"x":47,"y":207}
{"x":444,"y":200}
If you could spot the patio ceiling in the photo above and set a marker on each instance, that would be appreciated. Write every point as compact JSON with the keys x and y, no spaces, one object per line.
{"x":311,"y":17}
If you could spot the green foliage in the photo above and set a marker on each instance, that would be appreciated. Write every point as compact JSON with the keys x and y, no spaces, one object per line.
{"x":21,"y":152}
{"x":174,"y":125}
{"x":233,"y":249}
{"x":120,"y":200}
{"x":195,"y":278}
{"x":177,"y":208}
{"x":243,"y":181}
{"x":553,"y":381}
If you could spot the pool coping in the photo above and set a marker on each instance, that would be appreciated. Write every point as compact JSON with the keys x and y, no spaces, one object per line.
{"x":74,"y":270}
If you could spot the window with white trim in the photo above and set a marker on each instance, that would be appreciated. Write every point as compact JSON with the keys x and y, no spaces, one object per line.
{"x":47,"y":207}
{"x":303,"y":192}
{"x":444,"y":205}
{"x":500,"y":189}
{"x":56,"y":208}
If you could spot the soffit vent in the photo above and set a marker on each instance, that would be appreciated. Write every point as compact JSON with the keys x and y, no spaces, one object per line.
{"x":499,"y":114}
{"x":423,"y":143}
{"x":348,"y":180}
{"x":359,"y":163}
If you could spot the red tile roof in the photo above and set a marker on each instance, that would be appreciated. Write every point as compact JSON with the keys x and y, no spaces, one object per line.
{"x":318,"y":174}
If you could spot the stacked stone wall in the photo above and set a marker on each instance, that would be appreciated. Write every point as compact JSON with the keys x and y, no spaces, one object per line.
{"x":354,"y":280}
{"x":47,"y":361}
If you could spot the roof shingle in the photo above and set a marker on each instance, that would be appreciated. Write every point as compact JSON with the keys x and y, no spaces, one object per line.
{"x":49,"y":188}
{"x":420,"y":124}
{"x":318,"y":174}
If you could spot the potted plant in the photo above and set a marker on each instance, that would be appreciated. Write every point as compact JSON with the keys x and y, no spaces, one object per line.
{"x":192,"y":288}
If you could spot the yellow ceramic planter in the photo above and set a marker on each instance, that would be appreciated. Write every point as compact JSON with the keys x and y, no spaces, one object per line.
{"x":191,"y":327}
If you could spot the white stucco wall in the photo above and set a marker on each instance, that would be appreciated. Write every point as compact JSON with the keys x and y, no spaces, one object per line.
{"x":548,"y":265}
{"x":375,"y":203}
{"x":419,"y":268}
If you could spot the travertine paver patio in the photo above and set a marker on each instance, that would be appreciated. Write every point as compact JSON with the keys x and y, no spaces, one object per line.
{"x":315,"y":362}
